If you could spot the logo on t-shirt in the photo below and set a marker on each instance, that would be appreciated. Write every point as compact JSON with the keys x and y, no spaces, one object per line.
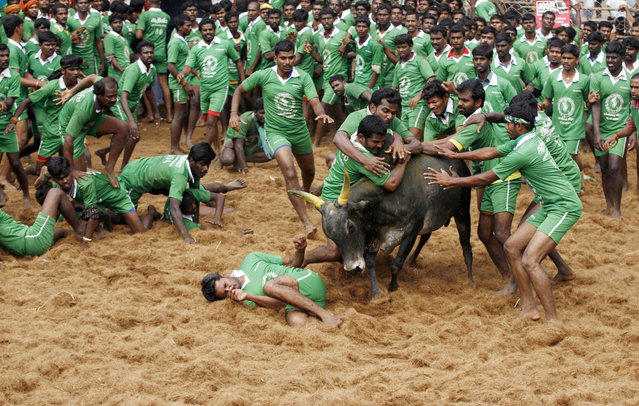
{"x":459,"y":78}
{"x":566,"y":107}
{"x":209,"y":64}
{"x":404,"y":86}
{"x":532,"y":56}
{"x":613,"y":103}
{"x":285,"y":104}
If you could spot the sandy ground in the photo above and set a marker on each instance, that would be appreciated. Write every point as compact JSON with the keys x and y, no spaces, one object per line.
{"x":125,"y":321}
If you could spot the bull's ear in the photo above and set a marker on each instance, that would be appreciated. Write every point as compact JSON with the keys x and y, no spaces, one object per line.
{"x":357,"y":206}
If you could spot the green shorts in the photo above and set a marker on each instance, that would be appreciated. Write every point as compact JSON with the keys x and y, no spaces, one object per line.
{"x":116,"y":200}
{"x":618,"y":149}
{"x":118,"y":111}
{"x":312,"y":286}
{"x":501,"y":197}
{"x":212,"y":102}
{"x":415,"y":118}
{"x":554,"y":224}
{"x":179,"y":95}
{"x":50,"y":143}
{"x":573,"y":146}
{"x":78,"y":142}
{"x":160,"y":65}
{"x":232,"y":87}
{"x":39,"y":237}
{"x":300,"y":143}
{"x":329,"y":97}
{"x":9,"y":142}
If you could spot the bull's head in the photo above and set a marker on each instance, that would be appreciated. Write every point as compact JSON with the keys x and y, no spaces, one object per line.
{"x":343,"y":223}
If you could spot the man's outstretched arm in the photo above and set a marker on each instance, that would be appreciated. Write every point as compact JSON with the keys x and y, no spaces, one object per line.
{"x":178,"y":221}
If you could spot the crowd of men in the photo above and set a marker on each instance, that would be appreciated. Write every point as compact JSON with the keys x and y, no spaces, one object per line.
{"x":465,"y":81}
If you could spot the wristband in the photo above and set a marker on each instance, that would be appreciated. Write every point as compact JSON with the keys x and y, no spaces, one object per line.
{"x":616,"y":136}
{"x":86,"y":239}
{"x":184,"y":82}
{"x":13,"y":120}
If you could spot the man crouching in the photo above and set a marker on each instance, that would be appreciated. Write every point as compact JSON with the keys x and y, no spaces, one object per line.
{"x":267,"y":281}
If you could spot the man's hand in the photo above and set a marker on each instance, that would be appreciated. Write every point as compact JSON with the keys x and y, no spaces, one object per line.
{"x":179,"y":77}
{"x":308,"y":48}
{"x":479,"y":119}
{"x":449,"y":87}
{"x":441,"y":177}
{"x":76,"y":174}
{"x":541,"y":106}
{"x":632,"y":142}
{"x":189,"y":90}
{"x":593,"y":97}
{"x":445,"y":152}
{"x":134,"y":131}
{"x":63,"y":96}
{"x":300,"y":242}
{"x":291,"y":36}
{"x":238,"y":295}
{"x":101,"y":68}
{"x":3,"y":106}
{"x":376,"y":165}
{"x":216,"y":222}
{"x":412,"y":103}
{"x":235,"y":120}
{"x":325,"y":118}
{"x":398,"y":149}
{"x":9,"y":127}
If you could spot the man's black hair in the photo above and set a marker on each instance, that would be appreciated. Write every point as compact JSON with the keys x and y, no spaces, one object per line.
{"x":371,"y":125}
{"x":284,"y":46}
{"x":144,"y":44}
{"x":502,"y":36}
{"x":336,"y":77}
{"x":606,"y":24}
{"x":100,"y":86}
{"x":488,"y":30}
{"x":10,"y":24}
{"x":42,"y":23}
{"x":571,"y":49}
{"x":526,"y":98}
{"x":231,"y":14}
{"x":362,"y":3}
{"x":116,"y":17}
{"x":439,"y":29}
{"x":137,"y":5}
{"x":58,"y":167}
{"x":512,"y":15}
{"x":596,"y":37}
{"x":549,"y":13}
{"x":384,"y":6}
{"x":362,"y":19}
{"x":457,"y":28}
{"x":46,"y":36}
{"x":55,"y":7}
{"x":616,"y":47}
{"x":189,"y":3}
{"x":300,"y":15}
{"x":444,"y":7}
{"x":631,"y":42}
{"x":570,"y":32}
{"x":403,"y":39}
{"x":475,"y":87}
{"x":483,"y":50}
{"x":179,"y":20}
{"x":555,"y":43}
{"x":522,"y":111}
{"x":390,"y":95}
{"x":528,"y":17}
{"x":591,"y":24}
{"x":208,"y":286}
{"x":119,"y":7}
{"x":258,"y":104}
{"x":496,"y":17}
{"x":202,"y":152}
{"x":3,"y":47}
{"x":187,"y":201}
{"x":206,"y":21}
{"x":432,"y":89}
{"x":327,"y":10}
{"x":70,"y":61}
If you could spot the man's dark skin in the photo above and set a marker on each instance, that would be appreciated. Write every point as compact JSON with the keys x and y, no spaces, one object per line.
{"x":400,"y":147}
{"x":339,"y":88}
{"x":14,"y":157}
{"x":611,"y":165}
{"x":547,"y":23}
{"x":236,"y":156}
{"x":274,"y":21}
{"x":383,"y":24}
{"x":529,"y":27}
{"x":82,"y":7}
{"x":438,"y":41}
{"x":199,"y":169}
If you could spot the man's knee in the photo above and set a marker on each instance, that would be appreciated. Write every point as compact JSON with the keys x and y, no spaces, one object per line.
{"x":484,"y":233}
{"x":290,"y":175}
{"x":296,"y":318}
{"x":529,"y":262}
{"x":502,"y":232}
{"x":227,"y":157}
{"x":511,"y":248}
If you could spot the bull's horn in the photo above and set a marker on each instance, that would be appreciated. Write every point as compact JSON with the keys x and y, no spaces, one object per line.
{"x":346,"y":190}
{"x":317,"y":201}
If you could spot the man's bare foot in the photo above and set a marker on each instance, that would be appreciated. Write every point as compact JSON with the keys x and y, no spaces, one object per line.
{"x":532,"y":314}
{"x":332,"y":321}
{"x":3,"y":198}
{"x":102,"y":153}
{"x":564,"y":276}
{"x":43,"y":178}
{"x":238,"y":183}
{"x":310,"y":231}
{"x":606,"y":211}
{"x":509,"y":290}
{"x":596,"y":168}
{"x":112,"y":179}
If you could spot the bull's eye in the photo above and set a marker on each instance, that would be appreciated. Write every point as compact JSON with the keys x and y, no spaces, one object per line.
{"x":350,"y":226}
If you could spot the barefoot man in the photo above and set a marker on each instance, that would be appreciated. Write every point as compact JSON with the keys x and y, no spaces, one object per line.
{"x":267,"y":281}
{"x":283,"y":90}
{"x":540,"y":234}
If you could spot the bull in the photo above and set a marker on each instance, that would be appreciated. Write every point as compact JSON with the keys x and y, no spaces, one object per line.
{"x":366,"y":219}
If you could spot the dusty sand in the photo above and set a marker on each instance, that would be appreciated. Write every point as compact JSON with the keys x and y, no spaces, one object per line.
{"x":125,"y":322}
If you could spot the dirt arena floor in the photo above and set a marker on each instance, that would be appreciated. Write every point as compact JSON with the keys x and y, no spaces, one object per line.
{"x":125,"y":321}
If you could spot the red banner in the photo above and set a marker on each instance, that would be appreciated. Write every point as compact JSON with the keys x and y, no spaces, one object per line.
{"x":560,"y":8}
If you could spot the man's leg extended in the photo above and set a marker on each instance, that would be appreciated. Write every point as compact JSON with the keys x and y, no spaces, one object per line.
{"x":605,"y":182}
{"x":284,"y":157}
{"x":327,"y":253}
{"x":166,"y":95}
{"x":57,"y":203}
{"x":120,"y":131}
{"x":514,"y":247}
{"x":179,"y":122}
{"x":21,"y":175}
{"x":615,"y":168}
{"x":539,"y":246}
{"x":286,"y":289}
{"x":485,"y":231}
{"x":307,"y":167}
{"x":194,"y":116}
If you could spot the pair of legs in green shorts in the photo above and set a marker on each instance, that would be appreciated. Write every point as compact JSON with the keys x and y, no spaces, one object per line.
{"x":415,"y":117}
{"x":299,"y":143}
{"x":501,"y":197}
{"x":39,"y":237}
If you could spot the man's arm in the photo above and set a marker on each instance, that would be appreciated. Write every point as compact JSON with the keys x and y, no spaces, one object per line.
{"x":234,"y":119}
{"x":482,"y":154}
{"x":397,"y":174}
{"x":320,"y":114}
{"x":178,"y":220}
{"x":297,"y":259}
{"x":372,"y":163}
{"x":596,"y":118}
{"x":21,"y":107}
{"x":251,"y":69}
{"x":240,"y":157}
{"x":412,"y":144}
{"x":154,"y":106}
{"x":240,"y":69}
{"x":452,"y":180}
{"x":100,"y":46}
{"x":262,"y":301}
{"x":133,"y":126}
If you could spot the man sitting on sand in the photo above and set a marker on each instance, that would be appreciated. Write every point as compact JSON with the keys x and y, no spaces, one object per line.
{"x":267,"y":281}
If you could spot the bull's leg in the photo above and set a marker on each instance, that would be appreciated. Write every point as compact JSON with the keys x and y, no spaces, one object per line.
{"x":423,"y":239}
{"x":407,"y":243}
{"x":462,"y":220}
{"x":370,"y":257}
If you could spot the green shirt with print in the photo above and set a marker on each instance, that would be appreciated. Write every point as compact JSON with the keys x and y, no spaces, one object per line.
{"x":568,"y":100}
{"x":154,"y":24}
{"x":614,"y":96}
{"x":212,"y":61}
{"x":410,"y":77}
{"x":115,"y":44}
{"x":369,"y":57}
{"x":41,"y":70}
{"x":351,"y":124}
{"x":456,"y":70}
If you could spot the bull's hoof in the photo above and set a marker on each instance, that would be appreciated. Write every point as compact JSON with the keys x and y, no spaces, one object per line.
{"x":392,"y":287}
{"x":471,"y":284}
{"x":411,"y":263}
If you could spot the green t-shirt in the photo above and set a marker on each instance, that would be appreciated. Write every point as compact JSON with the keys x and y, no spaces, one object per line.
{"x":78,"y":115}
{"x":283,"y":99}
{"x":94,"y":189}
{"x":249,"y":132}
{"x":42,"y":69}
{"x":388,"y":36}
{"x":252,"y":33}
{"x":12,"y":234}
{"x":115,"y":44}
{"x":335,"y":179}
{"x":485,"y":9}
{"x":369,"y":57}
{"x":259,"y":268}
{"x":135,"y":79}
{"x":177,"y":52}
{"x":65,"y":36}
{"x":529,"y":155}
{"x":614,"y":94}
{"x":93,"y":30}
{"x":350,"y":125}
{"x":352,"y":97}
{"x":435,"y":61}
{"x":438,"y":127}
{"x":411,"y":76}
{"x":9,"y":87}
{"x":29,"y":28}
{"x":307,"y":64}
{"x":240,"y":42}
{"x":457,"y":70}
{"x":516,"y":72}
{"x":546,"y":132}
{"x":18,"y":62}
{"x":31,"y":46}
{"x":154,"y":24}
{"x":267,"y":40}
{"x":422,"y":45}
{"x":468,"y":139}
{"x":568,"y":116}
{"x":530,"y":52}
{"x":332,"y":62}
{"x":46,"y":108}
{"x":499,"y":93}
{"x":128,"y":31}
{"x":589,"y":66}
{"x":165,"y":174}
{"x":212,"y":61}
{"x":540,"y":72}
